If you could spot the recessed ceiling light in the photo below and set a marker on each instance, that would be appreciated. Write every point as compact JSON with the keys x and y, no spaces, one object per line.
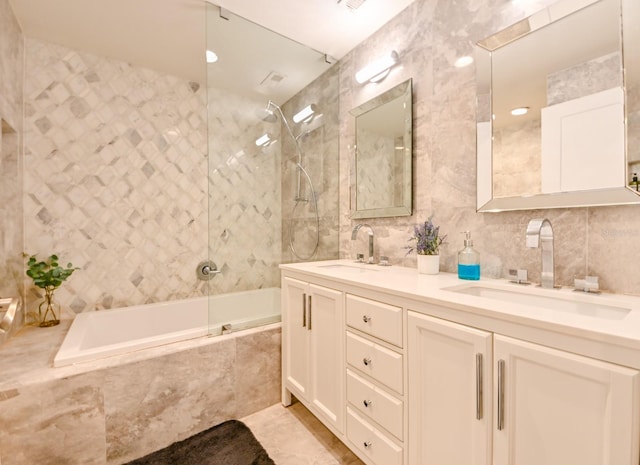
{"x":463,"y":61}
{"x":211,"y":57}
{"x":520,"y":111}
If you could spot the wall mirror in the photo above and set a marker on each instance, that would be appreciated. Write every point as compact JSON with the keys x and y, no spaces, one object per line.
{"x":558,"y":108}
{"x":381,"y":178}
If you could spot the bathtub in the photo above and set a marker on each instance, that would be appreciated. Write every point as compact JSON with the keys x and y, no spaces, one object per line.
{"x":104,"y":333}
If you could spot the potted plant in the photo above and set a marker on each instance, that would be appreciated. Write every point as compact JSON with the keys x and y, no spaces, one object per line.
{"x":427,"y":246}
{"x":48,"y":275}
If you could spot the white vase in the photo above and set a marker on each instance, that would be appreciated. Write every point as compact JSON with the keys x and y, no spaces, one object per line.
{"x":428,"y":264}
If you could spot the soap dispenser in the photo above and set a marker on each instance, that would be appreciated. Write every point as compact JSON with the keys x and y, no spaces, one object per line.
{"x":468,"y":260}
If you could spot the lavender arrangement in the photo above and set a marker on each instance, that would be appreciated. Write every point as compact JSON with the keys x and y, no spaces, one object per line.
{"x":427,"y":239}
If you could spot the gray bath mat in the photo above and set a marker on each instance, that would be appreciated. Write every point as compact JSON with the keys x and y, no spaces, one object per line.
{"x":229,"y":443}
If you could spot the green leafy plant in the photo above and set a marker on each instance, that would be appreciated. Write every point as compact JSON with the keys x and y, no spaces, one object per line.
{"x":427,"y":239}
{"x":48,"y":274}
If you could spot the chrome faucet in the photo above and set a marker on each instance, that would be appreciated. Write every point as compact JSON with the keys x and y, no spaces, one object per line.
{"x":354,"y":234}
{"x":540,"y":234}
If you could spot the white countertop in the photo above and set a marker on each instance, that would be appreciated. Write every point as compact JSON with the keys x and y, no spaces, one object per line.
{"x":408,"y":283}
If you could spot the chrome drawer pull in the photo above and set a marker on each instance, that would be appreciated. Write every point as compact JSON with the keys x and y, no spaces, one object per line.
{"x":309,"y":326}
{"x":366,"y":318}
{"x":479,"y":382}
{"x":304,"y":310}
{"x":366,"y":361}
{"x":367,"y":444}
{"x":500,"y":395}
{"x":367,"y":403}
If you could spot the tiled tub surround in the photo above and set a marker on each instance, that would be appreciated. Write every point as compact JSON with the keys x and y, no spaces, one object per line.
{"x":11,"y":153}
{"x":429,"y":36}
{"x":114,"y":410}
{"x":115,"y":177}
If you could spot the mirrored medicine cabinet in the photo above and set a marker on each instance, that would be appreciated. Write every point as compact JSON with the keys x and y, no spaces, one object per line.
{"x":381,"y":172}
{"x":558,"y":116}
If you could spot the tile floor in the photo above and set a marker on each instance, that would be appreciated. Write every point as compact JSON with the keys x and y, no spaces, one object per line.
{"x":293,"y":436}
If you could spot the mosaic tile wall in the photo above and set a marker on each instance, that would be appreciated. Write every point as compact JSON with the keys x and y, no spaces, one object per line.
{"x":244,"y":184}
{"x":11,"y":157}
{"x":319,"y":144}
{"x":429,"y":36}
{"x":115,"y":177}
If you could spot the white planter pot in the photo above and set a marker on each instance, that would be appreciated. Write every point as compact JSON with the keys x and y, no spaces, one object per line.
{"x":428,"y":264}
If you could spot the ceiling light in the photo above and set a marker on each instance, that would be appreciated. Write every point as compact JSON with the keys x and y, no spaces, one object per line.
{"x":211,"y":56}
{"x":264,"y":140}
{"x":463,"y":61}
{"x":520,"y":111}
{"x":377,"y":70}
{"x":305,"y":115}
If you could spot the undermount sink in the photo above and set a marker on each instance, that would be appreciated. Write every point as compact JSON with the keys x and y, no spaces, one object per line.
{"x":576,"y":305}
{"x":349,"y":268}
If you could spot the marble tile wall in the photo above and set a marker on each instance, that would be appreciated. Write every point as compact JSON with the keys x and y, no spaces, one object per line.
{"x":114,"y":413}
{"x":11,"y":153}
{"x":244,"y":194}
{"x":429,"y":36}
{"x":319,"y":143}
{"x":115,"y":177}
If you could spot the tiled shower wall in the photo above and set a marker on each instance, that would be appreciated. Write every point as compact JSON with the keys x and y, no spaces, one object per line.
{"x":115,"y":177}
{"x":11,"y":82}
{"x":244,"y":184}
{"x":319,"y":144}
{"x":429,"y":36}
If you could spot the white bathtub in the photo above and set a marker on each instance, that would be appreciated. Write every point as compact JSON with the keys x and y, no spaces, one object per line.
{"x":104,"y":333}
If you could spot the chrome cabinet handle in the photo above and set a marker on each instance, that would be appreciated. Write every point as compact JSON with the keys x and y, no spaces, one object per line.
{"x":367,"y":444}
{"x":500,"y":395}
{"x":366,"y":361}
{"x":366,"y":318}
{"x":367,"y":403}
{"x":479,"y":402}
{"x":304,"y":310}
{"x":309,"y":326}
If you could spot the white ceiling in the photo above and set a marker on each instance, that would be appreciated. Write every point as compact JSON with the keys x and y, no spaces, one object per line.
{"x":169,"y":35}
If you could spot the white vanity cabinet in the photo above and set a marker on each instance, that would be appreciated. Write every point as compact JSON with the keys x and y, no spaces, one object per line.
{"x":407,"y":374}
{"x":557,"y":408}
{"x":313,"y":348}
{"x":471,"y":392}
{"x":450,"y":392}
{"x":375,"y":380}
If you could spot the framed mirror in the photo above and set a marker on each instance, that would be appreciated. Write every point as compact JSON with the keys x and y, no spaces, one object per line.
{"x":382,"y":171}
{"x":555,"y":115}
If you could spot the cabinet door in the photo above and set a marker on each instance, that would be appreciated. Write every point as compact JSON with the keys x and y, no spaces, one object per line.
{"x":557,"y":408}
{"x":327,"y":366}
{"x":449,"y":393}
{"x":295,"y":335}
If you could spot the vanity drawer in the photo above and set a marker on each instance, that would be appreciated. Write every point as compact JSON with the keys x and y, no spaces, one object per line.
{"x":380,"y":363}
{"x":376,"y":403}
{"x":371,"y":442}
{"x":380,"y":320}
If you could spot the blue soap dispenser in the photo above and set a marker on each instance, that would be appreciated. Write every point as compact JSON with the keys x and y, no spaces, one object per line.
{"x":468,"y":260}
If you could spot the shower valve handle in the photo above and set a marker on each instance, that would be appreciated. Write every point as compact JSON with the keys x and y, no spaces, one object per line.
{"x":207,"y":270}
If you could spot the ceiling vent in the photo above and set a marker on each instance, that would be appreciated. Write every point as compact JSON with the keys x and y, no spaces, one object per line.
{"x":273,"y":80}
{"x":352,"y":4}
